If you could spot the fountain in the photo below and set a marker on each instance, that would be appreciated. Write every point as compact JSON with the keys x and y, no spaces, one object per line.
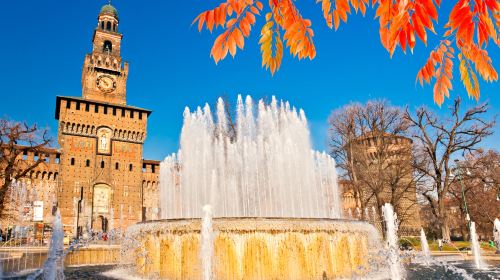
{"x":53,"y":269}
{"x":476,"y":248}
{"x":207,"y":249}
{"x":425,"y":247}
{"x":274,"y":205}
{"x":391,"y":225}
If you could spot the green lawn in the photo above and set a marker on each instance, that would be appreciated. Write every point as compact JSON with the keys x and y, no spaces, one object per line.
{"x":433,"y":245}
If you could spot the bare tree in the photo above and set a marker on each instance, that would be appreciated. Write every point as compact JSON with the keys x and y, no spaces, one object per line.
{"x":369,"y":146}
{"x":17,"y":139}
{"x":438,"y":140}
{"x":477,"y":188}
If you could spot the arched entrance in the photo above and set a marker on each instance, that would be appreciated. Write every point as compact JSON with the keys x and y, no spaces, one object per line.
{"x":101,"y":224}
{"x":101,"y":207}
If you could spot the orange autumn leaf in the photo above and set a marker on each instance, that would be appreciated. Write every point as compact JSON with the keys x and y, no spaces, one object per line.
{"x":439,"y":66}
{"x":271,"y":45}
{"x":471,"y":26}
{"x":402,"y":22}
{"x":237,"y":28}
{"x":340,"y":9}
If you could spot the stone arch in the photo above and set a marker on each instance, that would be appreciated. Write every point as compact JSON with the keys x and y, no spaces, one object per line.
{"x":92,"y":130}
{"x":49,"y":175}
{"x":55,"y":175}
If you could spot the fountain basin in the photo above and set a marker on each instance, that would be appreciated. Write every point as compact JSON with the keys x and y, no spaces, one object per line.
{"x":254,"y":248}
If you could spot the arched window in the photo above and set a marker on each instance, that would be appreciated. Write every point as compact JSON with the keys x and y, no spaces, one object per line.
{"x":102,"y":164}
{"x":130,"y":167}
{"x":114,"y":27}
{"x":102,"y":24}
{"x":117,"y":166}
{"x":72,"y":161}
{"x":87,"y":163}
{"x":108,"y":26}
{"x":107,"y":47}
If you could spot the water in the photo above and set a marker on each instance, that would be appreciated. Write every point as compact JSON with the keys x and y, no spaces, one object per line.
{"x":425,"y":247}
{"x":260,"y":166}
{"x":397,"y":271}
{"x":53,"y":269}
{"x":207,"y":243}
{"x":476,"y":248}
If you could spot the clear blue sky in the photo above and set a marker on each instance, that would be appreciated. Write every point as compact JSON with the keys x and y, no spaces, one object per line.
{"x":44,"y":43}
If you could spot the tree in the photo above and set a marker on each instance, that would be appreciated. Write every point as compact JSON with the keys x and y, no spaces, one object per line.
{"x":479,"y":175}
{"x":17,"y":139}
{"x":369,"y":146}
{"x":470,"y":26}
{"x":438,"y":141}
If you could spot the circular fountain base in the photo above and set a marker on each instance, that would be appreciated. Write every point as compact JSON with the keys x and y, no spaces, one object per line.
{"x":254,"y":248}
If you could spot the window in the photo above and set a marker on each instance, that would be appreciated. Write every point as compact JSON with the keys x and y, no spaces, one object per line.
{"x":25,"y":155}
{"x":153,"y":168}
{"x":58,"y":158}
{"x":87,"y":163}
{"x":68,"y":104}
{"x":102,"y":24}
{"x":87,"y":107}
{"x":130,"y":167}
{"x":78,"y":105}
{"x":114,"y":111}
{"x":114,"y":27}
{"x":117,"y":166}
{"x":131,"y":114}
{"x":96,"y":109}
{"x":107,"y":46}
{"x":72,"y":161}
{"x":102,"y":164}
{"x":108,"y":26}
{"x":123,"y":113}
{"x":140,"y":115}
{"x":105,"y":110}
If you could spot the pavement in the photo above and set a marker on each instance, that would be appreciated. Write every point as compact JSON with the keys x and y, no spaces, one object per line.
{"x":80,"y":272}
{"x":87,"y":272}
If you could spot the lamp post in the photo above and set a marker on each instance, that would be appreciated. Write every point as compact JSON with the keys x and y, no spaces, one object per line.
{"x":459,"y":175}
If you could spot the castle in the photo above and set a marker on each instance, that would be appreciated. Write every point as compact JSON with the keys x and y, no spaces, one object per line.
{"x":98,"y":178}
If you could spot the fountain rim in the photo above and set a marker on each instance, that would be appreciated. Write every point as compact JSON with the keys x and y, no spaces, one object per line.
{"x":255,"y":218}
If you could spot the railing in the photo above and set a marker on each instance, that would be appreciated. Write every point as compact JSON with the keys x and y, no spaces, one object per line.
{"x":20,"y":257}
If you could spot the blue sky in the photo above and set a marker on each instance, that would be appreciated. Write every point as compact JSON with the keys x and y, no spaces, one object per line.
{"x":44,"y":43}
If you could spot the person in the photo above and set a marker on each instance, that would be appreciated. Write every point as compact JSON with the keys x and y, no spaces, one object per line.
{"x":440,"y":244}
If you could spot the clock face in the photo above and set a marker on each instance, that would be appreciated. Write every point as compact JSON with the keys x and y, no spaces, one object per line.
{"x":106,"y":83}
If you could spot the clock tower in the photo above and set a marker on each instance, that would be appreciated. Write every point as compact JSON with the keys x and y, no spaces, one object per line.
{"x":104,"y":183}
{"x":104,"y":75}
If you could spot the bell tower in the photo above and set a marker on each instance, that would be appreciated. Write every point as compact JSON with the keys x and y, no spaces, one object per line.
{"x":104,"y":75}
